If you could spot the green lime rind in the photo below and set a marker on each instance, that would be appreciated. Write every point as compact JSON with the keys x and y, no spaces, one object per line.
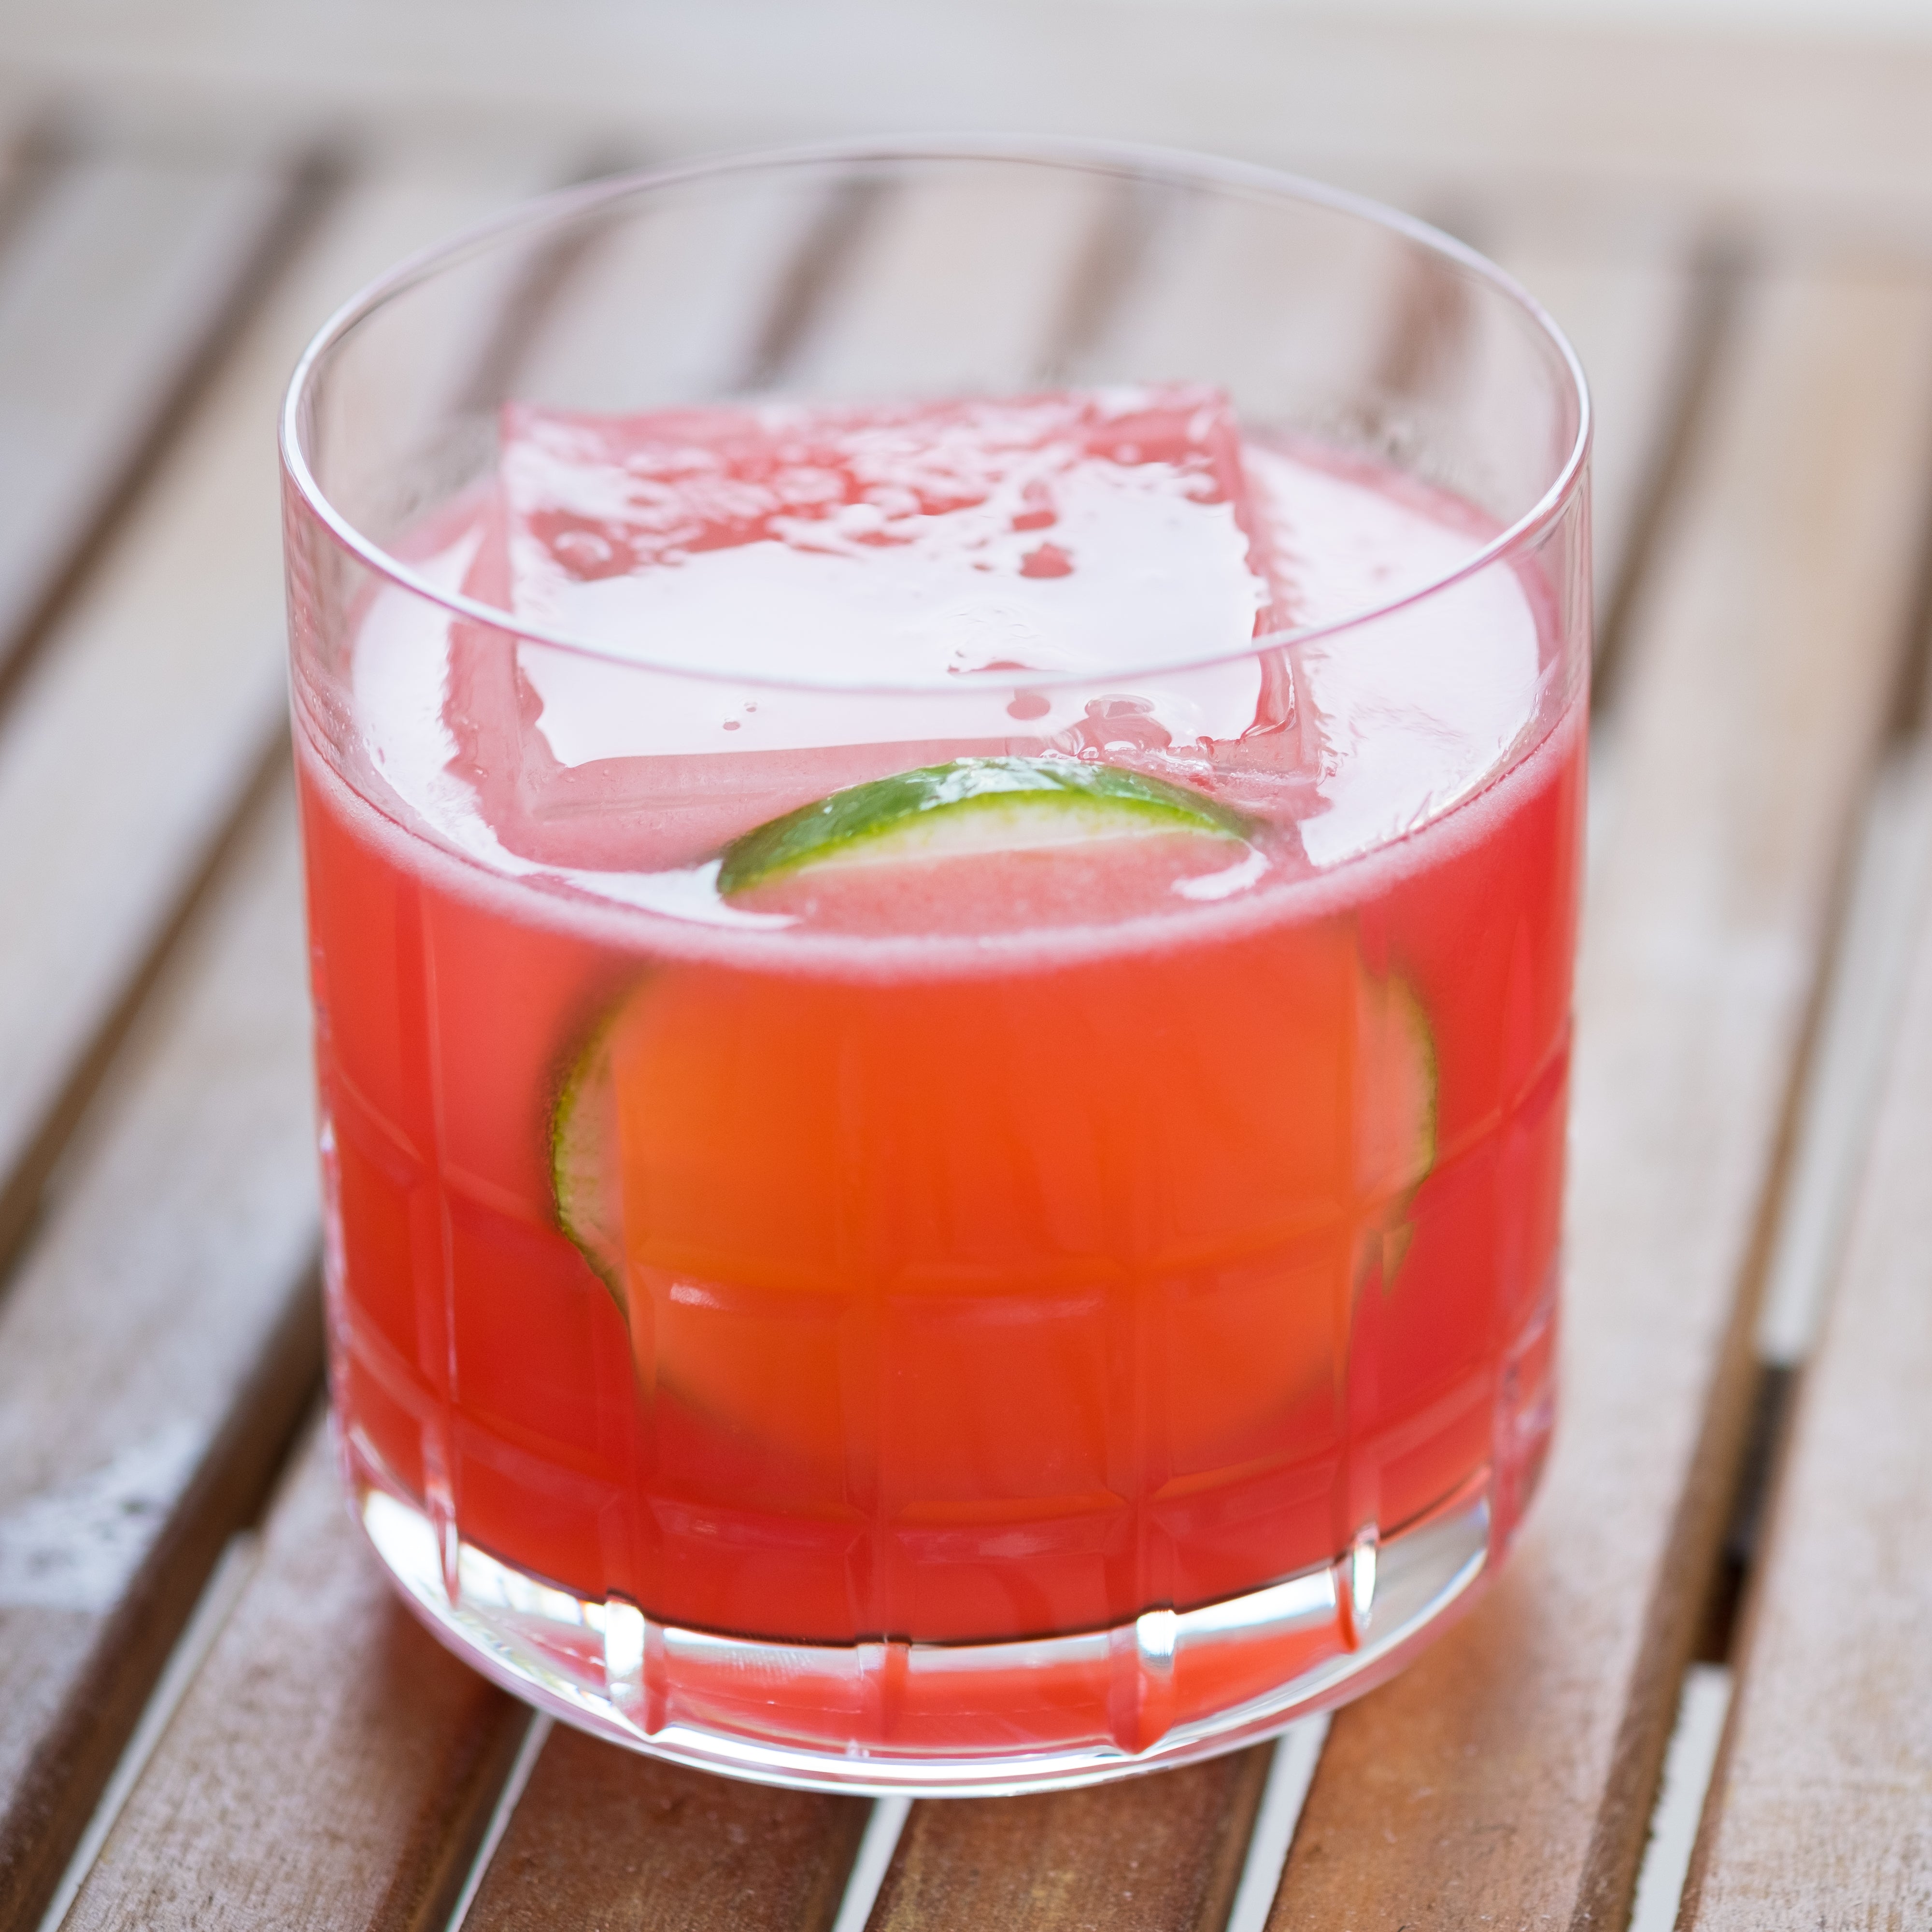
{"x":1404,"y":1111}
{"x":584,"y":1176}
{"x":1008,"y":800}
{"x":1411,"y":1020}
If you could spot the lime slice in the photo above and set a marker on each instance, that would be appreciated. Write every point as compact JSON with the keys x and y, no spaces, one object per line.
{"x":1396,"y":1115}
{"x":584,"y":1171}
{"x":738,"y":1157}
{"x":972,"y":805}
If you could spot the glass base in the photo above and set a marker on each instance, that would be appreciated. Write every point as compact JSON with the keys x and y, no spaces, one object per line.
{"x":942,"y":1720}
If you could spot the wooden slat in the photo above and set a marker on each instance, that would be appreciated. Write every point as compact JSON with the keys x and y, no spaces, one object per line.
{"x":1507,"y":1778}
{"x":961,"y":286}
{"x":1628,"y":303}
{"x":120,"y":271}
{"x":150,"y":708}
{"x":1822,"y":1813}
{"x":332,"y":1766}
{"x":603,"y":1838}
{"x":678,"y":300}
{"x":1158,"y":1854}
{"x":952,"y":287}
{"x":1871,"y":961}
{"x":156,"y":1347}
{"x":17,"y":143}
{"x":1211,"y":292}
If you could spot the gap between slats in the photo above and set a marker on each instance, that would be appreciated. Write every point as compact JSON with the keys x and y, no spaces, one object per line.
{"x":1892,"y":881}
{"x":218,"y":1598}
{"x":31,"y":150}
{"x":1889,"y":873}
{"x":1833,"y":1124}
{"x":1817,"y":1812}
{"x":534,"y":1737}
{"x":1291,"y":1767}
{"x":1863,"y":996}
{"x":1857,"y":991}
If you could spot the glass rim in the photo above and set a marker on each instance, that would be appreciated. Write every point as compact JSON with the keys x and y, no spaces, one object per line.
{"x":1184,"y":167}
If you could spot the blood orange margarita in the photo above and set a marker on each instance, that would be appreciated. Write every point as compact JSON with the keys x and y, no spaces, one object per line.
{"x":969,"y":1210}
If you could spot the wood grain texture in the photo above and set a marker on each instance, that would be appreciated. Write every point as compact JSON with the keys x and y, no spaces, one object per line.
{"x":603,"y":1838}
{"x":1626,"y":296}
{"x":1507,"y":1779}
{"x":113,"y":284}
{"x":962,"y":288}
{"x":1822,"y":1812}
{"x":149,"y":711}
{"x":681,"y":300}
{"x":159,"y":1341}
{"x":332,"y":1766}
{"x":1157,"y":1854}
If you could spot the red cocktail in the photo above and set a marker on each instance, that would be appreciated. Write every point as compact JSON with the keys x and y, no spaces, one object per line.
{"x":942,"y":1029}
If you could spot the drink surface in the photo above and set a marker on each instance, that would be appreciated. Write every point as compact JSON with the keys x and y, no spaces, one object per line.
{"x":978,"y":1240}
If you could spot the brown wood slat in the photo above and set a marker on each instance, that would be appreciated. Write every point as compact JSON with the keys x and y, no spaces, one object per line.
{"x":1199,"y":292}
{"x":157,"y":1346}
{"x":1157,"y":1854}
{"x":331,"y":1766}
{"x":1821,"y":1813}
{"x":145,"y":716}
{"x":1507,"y":1778}
{"x":1628,"y":303}
{"x":685,"y":296}
{"x":934,"y":277}
{"x":120,"y":270}
{"x":604,"y":1837}
{"x":23,"y":163}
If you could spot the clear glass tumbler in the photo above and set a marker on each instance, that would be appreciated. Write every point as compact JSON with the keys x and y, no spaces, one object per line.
{"x":942,"y":787}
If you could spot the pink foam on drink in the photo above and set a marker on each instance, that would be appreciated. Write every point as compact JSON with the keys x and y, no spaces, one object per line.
{"x":916,"y":542}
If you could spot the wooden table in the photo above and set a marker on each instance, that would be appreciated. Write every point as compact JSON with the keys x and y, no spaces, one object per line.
{"x":212,"y":1712}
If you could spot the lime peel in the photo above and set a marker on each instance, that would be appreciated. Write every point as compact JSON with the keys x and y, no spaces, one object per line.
{"x":1397,"y":1124}
{"x":583,"y":1161}
{"x":971,"y":805}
